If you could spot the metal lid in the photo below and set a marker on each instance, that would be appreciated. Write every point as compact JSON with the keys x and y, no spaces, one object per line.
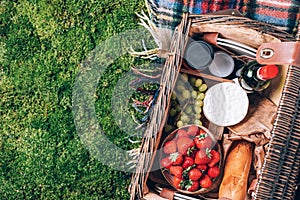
{"x":199,"y":54}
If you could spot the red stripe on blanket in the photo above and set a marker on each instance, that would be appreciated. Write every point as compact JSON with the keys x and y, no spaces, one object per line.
{"x":273,"y":13}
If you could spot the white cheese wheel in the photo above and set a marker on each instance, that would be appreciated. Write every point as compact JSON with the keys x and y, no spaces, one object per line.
{"x":225,"y":104}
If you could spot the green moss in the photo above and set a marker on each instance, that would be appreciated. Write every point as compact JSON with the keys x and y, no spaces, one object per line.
{"x":42,"y":45}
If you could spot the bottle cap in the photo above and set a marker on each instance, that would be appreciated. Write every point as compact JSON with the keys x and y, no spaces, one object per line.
{"x":199,"y":54}
{"x":268,"y":72}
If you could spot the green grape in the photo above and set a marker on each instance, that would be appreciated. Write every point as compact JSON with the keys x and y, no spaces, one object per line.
{"x":173,"y":96}
{"x":179,"y":124}
{"x":180,"y":88}
{"x":198,"y":122}
{"x":180,"y":98}
{"x":184,"y":77}
{"x":200,"y":96}
{"x":184,"y":118}
{"x":197,"y":115}
{"x":199,"y":103}
{"x":188,"y":109}
{"x":173,"y":112}
{"x":198,"y":82}
{"x":178,"y":108}
{"x":197,"y":109}
{"x":203,"y":87}
{"x":194,"y":94}
{"x":186,"y":94}
{"x":192,"y":81}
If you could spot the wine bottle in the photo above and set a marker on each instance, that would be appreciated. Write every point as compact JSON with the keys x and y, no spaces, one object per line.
{"x":256,"y":77}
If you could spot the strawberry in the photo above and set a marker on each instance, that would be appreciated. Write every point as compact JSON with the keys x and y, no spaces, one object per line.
{"x":203,"y":141}
{"x":176,"y":171}
{"x":192,"y":130}
{"x":215,"y":158}
{"x":177,"y":182}
{"x":176,"y":158}
{"x":170,"y":147}
{"x":213,"y":172}
{"x":166,"y":162}
{"x":191,"y":152}
{"x":182,"y":133}
{"x":195,"y":174}
{"x":183,"y":144}
{"x":205,"y":181}
{"x":192,"y":186}
{"x":202,"y":167}
{"x":187,"y":162}
{"x":203,"y":157}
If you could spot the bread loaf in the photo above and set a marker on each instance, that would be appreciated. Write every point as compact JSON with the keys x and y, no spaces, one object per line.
{"x":236,"y":171}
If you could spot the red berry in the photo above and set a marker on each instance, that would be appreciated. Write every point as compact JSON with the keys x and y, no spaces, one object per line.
{"x":213,"y":172}
{"x":192,"y":130}
{"x":187,"y":162}
{"x":177,"y":182}
{"x":203,"y":141}
{"x":202,"y":157}
{"x":215,"y":158}
{"x":195,"y":174}
{"x":182,"y":133}
{"x":202,"y":167}
{"x":170,"y":147}
{"x":192,"y":186}
{"x":176,"y":158}
{"x":166,"y":162}
{"x":176,"y":171}
{"x":205,"y":181}
{"x":183,"y":144}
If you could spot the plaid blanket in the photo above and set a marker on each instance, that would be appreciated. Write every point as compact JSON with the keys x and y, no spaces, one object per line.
{"x":281,"y":13}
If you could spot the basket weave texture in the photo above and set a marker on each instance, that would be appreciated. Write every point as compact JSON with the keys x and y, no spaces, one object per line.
{"x":280,"y":170}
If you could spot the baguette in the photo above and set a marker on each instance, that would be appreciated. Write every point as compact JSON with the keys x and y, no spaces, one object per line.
{"x":236,"y":172}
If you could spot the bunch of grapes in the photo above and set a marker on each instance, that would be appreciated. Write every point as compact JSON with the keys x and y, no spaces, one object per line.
{"x":186,"y":102}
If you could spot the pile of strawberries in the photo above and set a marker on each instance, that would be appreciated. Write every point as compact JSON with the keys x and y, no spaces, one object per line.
{"x":191,"y":158}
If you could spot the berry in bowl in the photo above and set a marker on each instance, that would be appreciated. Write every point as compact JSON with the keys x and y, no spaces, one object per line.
{"x":191,"y":160}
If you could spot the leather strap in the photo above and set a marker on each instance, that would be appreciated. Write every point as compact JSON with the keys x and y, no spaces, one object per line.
{"x":211,"y":38}
{"x":279,"y":53}
{"x":167,"y":193}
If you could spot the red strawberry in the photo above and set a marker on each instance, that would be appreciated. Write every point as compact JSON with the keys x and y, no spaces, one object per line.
{"x":205,"y":181}
{"x":182,"y":133}
{"x":195,"y":174}
{"x":191,"y":152}
{"x":192,"y":130}
{"x":166,"y":162}
{"x":192,"y":186}
{"x":203,"y":141}
{"x":213,"y":172}
{"x":170,"y":147}
{"x":176,"y":158}
{"x":203,"y":157}
{"x":187,"y":162}
{"x":176,"y":171}
{"x":215,"y":158}
{"x":177,"y":182}
{"x":183,"y":144}
{"x":202,"y":167}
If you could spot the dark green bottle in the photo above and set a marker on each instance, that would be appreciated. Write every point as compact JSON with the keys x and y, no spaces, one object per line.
{"x":256,"y":77}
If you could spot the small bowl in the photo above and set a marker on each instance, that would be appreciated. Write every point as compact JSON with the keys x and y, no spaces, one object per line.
{"x":169,"y":177}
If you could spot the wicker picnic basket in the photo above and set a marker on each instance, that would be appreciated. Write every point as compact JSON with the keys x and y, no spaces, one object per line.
{"x":279,"y":173}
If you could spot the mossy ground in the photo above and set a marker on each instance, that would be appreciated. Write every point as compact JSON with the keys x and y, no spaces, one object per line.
{"x":42,"y":45}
